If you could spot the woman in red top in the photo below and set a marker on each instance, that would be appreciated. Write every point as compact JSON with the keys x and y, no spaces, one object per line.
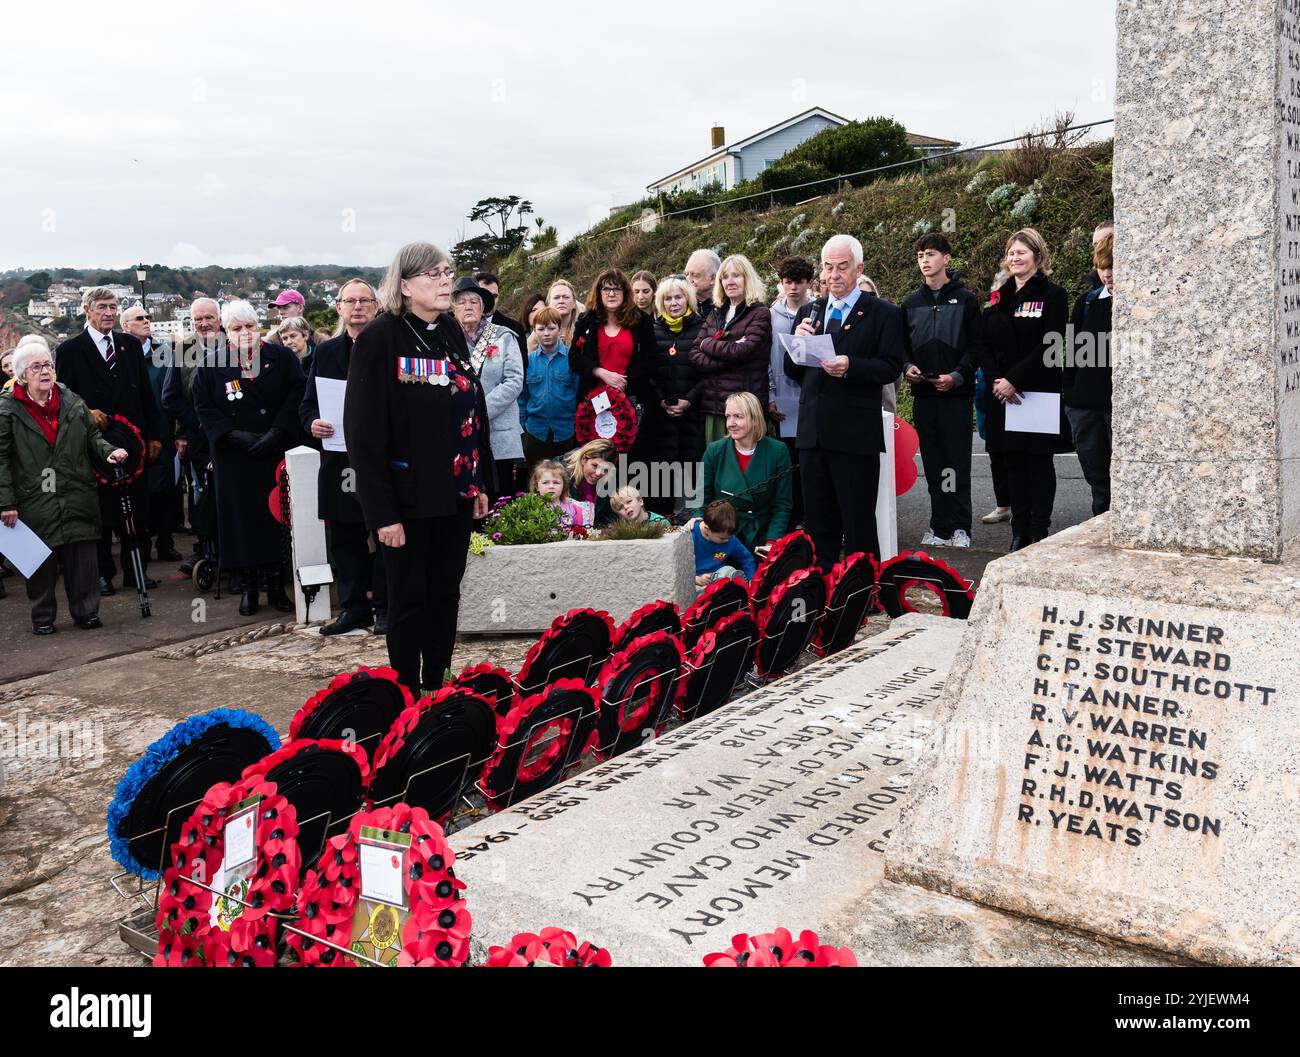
{"x":614,"y":342}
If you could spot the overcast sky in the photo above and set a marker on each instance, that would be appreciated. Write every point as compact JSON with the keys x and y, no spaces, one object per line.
{"x":285,"y":132}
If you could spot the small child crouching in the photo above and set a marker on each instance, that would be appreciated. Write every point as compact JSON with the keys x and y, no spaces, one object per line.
{"x":551,"y":482}
{"x":718,"y":553}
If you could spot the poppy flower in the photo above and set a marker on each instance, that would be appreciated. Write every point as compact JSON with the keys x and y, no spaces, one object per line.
{"x":995,"y":297}
{"x":553,"y":946}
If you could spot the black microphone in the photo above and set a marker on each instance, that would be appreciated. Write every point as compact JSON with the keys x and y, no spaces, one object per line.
{"x":817,"y":307}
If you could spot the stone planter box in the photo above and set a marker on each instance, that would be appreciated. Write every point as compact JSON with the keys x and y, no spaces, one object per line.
{"x":512,"y":590}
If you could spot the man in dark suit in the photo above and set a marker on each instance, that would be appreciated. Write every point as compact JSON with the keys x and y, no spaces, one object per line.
{"x":106,"y":369}
{"x":359,"y":576}
{"x":492,"y":285}
{"x":840,"y":433}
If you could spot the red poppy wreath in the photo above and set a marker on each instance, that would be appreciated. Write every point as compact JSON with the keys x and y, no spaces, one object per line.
{"x":236,"y":928}
{"x":551,"y":946}
{"x":606,"y":414}
{"x":436,"y":932}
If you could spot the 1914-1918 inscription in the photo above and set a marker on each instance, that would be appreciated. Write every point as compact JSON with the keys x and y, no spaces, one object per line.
{"x":1113,"y":751}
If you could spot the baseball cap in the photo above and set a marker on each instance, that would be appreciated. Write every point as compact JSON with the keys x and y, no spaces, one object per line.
{"x":289,"y":297}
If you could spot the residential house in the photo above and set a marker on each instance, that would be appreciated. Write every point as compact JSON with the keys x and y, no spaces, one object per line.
{"x":728,"y":165}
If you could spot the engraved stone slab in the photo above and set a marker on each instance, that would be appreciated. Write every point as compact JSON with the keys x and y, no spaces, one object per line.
{"x":773,"y":811}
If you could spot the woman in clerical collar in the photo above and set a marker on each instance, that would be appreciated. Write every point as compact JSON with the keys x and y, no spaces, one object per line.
{"x":417,"y":431}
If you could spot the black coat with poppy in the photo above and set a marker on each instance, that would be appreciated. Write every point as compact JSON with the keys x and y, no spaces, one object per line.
{"x":123,"y":389}
{"x":671,"y":438}
{"x":336,"y":498}
{"x":1014,"y":344}
{"x":250,"y":535}
{"x":844,"y":414}
{"x":403,"y":437}
{"x":732,"y":357}
{"x":584,"y":357}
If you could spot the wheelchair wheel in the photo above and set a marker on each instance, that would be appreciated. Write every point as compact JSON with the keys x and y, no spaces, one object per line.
{"x":205,"y":574}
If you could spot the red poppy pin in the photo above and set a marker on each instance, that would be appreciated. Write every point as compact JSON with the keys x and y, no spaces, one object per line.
{"x":491,"y":351}
{"x":719,"y":335}
{"x":995,"y":297}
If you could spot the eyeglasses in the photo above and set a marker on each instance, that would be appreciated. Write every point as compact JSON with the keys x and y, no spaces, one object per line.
{"x":40,"y":368}
{"x":441,"y":273}
{"x":352,"y":302}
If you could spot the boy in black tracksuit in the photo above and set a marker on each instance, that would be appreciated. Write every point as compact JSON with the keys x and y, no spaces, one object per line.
{"x":942,"y":317}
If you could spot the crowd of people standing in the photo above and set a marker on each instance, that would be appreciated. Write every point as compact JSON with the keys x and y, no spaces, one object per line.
{"x":450,"y":404}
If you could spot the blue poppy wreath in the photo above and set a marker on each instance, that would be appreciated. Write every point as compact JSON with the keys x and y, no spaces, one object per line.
{"x":156,"y":760}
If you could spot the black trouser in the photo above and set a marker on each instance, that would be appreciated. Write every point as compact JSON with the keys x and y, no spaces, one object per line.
{"x":112,"y":506}
{"x":840,"y":501}
{"x":536,"y":450}
{"x":359,"y":576}
{"x":508,"y":473}
{"x":424,"y":595}
{"x":1091,"y":430}
{"x":998,"y":470}
{"x":164,"y":512}
{"x":80,"y":582}
{"x":1032,"y":478}
{"x":943,"y":426}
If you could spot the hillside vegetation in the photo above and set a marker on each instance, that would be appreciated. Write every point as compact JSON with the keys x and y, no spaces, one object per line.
{"x":1064,"y":192}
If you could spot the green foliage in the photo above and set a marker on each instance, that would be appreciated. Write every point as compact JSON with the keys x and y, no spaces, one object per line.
{"x":634,"y":530}
{"x":853,"y":147}
{"x":527,"y":518}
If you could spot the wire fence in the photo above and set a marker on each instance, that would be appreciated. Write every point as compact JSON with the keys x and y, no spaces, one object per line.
{"x":933,"y":159}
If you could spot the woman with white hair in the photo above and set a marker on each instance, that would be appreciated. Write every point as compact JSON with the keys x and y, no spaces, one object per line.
{"x":673,"y":426}
{"x":47,"y":433}
{"x":247,"y":403}
{"x":734,"y":344}
{"x":419,"y":439}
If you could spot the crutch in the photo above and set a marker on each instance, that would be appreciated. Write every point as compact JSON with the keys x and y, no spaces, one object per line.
{"x":128,"y":527}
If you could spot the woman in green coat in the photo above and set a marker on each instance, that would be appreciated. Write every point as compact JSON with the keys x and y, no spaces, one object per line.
{"x":752,"y":472}
{"x":48,"y":447}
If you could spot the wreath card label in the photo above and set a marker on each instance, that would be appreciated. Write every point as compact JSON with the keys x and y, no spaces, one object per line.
{"x":236,"y":865}
{"x":383,"y":908}
{"x":606,"y":423}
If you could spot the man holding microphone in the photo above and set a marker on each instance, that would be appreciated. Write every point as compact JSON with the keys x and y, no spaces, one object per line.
{"x":840,"y":433}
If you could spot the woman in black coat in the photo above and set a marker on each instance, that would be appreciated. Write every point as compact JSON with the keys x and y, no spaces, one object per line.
{"x":247,"y":403}
{"x":1025,"y":319}
{"x":614,"y":341}
{"x":673,"y":426}
{"x":418,"y":438}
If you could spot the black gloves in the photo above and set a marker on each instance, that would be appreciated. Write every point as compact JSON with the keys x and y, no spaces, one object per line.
{"x":243,"y":439}
{"x":267,"y":442}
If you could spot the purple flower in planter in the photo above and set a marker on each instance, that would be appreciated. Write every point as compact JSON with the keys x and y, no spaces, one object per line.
{"x":496,"y":536}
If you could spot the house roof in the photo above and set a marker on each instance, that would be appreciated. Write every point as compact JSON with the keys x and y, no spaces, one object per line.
{"x":913,"y":139}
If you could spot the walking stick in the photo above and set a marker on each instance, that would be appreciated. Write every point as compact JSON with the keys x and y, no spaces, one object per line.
{"x":128,"y":527}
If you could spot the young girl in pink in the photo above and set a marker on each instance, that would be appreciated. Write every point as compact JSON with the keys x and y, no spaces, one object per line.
{"x":550,"y":481}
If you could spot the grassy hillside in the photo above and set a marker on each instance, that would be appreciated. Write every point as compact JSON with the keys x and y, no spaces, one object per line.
{"x":1063,"y":193}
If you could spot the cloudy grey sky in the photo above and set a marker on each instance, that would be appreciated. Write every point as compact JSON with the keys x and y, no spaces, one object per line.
{"x":287,"y":132}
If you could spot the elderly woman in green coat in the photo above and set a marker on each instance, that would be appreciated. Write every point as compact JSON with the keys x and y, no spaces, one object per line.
{"x":48,"y":447}
{"x":752,"y":472}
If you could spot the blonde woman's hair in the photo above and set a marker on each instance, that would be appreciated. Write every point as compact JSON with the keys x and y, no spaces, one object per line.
{"x":754,"y":292}
{"x":593,"y":449}
{"x":674,"y":283}
{"x":567,"y":328}
{"x":411,"y":260}
{"x":1031,"y":238}
{"x":753,"y":411}
{"x":550,"y":466}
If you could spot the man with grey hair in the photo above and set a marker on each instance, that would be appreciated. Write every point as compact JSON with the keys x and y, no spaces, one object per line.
{"x":191,"y":442}
{"x":164,"y":493}
{"x":106,"y":369}
{"x":701,"y":270}
{"x":840,"y":433}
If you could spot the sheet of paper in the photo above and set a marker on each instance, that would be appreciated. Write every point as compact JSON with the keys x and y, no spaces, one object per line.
{"x":809,"y":351}
{"x":1036,"y":413}
{"x":25,"y":550}
{"x":789,"y":407}
{"x":329,"y":395}
{"x":381,"y":871}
